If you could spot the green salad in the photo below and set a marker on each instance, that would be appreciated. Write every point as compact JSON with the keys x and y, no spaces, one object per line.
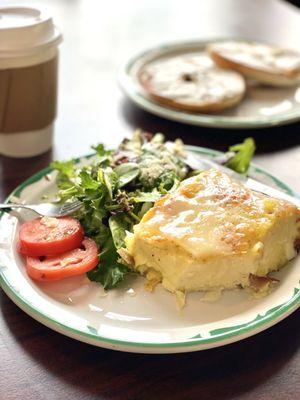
{"x":118,"y":187}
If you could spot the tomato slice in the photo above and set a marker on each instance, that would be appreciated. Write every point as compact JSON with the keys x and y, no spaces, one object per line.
{"x":49,"y":236}
{"x":71,"y":263}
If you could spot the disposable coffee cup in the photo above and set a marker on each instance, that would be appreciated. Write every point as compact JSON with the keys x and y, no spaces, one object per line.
{"x":28,"y":81}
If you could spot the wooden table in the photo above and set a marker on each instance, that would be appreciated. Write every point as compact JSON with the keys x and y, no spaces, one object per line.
{"x":37,"y":363}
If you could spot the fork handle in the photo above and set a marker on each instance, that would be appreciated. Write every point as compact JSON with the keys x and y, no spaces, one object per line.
{"x":13,"y":205}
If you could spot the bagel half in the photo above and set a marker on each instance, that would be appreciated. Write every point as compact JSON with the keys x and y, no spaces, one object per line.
{"x":266,"y":64}
{"x":192,"y":82}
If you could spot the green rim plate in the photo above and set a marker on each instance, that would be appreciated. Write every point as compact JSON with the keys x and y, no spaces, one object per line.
{"x":130,"y":86}
{"x":217,"y":337}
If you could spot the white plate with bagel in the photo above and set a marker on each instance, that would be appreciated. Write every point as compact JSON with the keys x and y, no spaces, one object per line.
{"x":218,"y":83}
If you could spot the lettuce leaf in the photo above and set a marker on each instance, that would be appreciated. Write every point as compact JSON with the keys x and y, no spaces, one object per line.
{"x":244,"y":152}
{"x":109,"y":272}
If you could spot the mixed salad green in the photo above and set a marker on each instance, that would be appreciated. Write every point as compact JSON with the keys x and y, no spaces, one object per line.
{"x":118,"y":187}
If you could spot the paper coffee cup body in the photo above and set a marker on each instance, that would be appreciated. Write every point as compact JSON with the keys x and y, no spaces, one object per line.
{"x":28,"y":76}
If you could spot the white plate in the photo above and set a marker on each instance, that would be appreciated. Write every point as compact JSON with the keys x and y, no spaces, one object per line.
{"x":262,"y":106}
{"x":129,"y":318}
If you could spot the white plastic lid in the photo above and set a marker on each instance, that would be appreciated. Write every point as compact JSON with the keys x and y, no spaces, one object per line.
{"x":25,"y":31}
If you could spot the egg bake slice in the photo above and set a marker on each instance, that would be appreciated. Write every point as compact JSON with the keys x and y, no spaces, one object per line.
{"x":213,"y":233}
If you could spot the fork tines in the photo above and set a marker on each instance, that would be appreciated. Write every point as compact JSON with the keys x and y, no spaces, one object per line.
{"x":69,"y":207}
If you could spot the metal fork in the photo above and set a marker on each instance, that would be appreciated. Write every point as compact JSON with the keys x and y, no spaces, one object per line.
{"x":47,"y":209}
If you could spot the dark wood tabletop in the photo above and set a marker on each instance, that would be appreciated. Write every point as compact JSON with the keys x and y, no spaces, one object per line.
{"x":38,"y":363}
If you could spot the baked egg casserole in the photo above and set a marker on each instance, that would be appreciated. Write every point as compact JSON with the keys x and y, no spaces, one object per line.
{"x":213,"y":233}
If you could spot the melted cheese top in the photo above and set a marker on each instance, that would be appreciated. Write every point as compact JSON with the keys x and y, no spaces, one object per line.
{"x":211,"y":215}
{"x":192,"y":78}
{"x":260,"y":56}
